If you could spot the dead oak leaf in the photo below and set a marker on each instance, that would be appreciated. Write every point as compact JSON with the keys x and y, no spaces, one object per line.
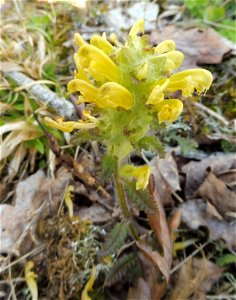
{"x":195,"y":213}
{"x":200,"y":46}
{"x":196,"y":277}
{"x":215,"y":191}
{"x":196,"y":170}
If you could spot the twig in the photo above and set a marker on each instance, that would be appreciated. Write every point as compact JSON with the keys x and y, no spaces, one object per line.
{"x":211,"y":112}
{"x":62,"y":106}
{"x":189,"y":257}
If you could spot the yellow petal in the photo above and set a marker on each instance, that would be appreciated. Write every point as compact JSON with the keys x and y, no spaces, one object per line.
{"x":87,"y":90}
{"x":79,"y":40}
{"x":101,"y":43}
{"x":114,"y":39}
{"x":70,"y":125}
{"x":137,"y":28}
{"x":80,"y":74}
{"x":30,"y":277}
{"x":142,"y":72}
{"x":68,"y":200}
{"x":103,"y":65}
{"x":174,"y":60}
{"x":157,"y":94}
{"x":189,"y":80}
{"x":141,"y":173}
{"x":89,"y":285}
{"x":169,"y":110}
{"x":165,"y":46}
{"x":112,"y":95}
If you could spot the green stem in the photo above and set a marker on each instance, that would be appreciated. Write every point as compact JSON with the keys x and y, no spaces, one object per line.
{"x":123,"y":205}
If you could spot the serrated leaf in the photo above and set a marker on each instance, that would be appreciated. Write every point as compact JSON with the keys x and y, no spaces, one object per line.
{"x":140,"y":198}
{"x":124,"y":265}
{"x":108,"y":166}
{"x":151,"y":143}
{"x":115,"y":239}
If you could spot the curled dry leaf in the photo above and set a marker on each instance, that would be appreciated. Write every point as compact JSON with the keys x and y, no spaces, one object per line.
{"x":215,"y":191}
{"x":195,"y":171}
{"x":196,"y":277}
{"x":35,"y":197}
{"x":200,"y":46}
{"x":195,"y":213}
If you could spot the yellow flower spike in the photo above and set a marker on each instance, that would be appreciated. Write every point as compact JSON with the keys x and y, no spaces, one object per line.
{"x":165,"y":46}
{"x":102,"y":64}
{"x":102,"y":44}
{"x":137,"y":28}
{"x":157,"y":94}
{"x":112,"y":95}
{"x":176,"y":57}
{"x":70,"y":125}
{"x":30,"y":277}
{"x":89,"y":285}
{"x":142,"y":72}
{"x":79,"y":40}
{"x":141,"y":173}
{"x":87,"y":90}
{"x":80,"y":74}
{"x":169,"y":110}
{"x":189,"y":80}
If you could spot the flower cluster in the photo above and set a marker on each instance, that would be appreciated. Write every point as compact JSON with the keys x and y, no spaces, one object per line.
{"x":128,"y":88}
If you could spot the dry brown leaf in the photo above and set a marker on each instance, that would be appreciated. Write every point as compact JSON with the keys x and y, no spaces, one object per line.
{"x":140,"y":292}
{"x":195,"y":171}
{"x":215,"y":191}
{"x":195,"y":213}
{"x":158,"y":222}
{"x":95,"y":213}
{"x":200,"y":46}
{"x":35,"y":197}
{"x":196,"y":277}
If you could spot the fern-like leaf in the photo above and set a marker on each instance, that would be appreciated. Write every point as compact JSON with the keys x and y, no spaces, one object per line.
{"x":115,"y":239}
{"x":121,"y":268}
{"x":108,"y":166}
{"x":153,"y":144}
{"x":140,"y":198}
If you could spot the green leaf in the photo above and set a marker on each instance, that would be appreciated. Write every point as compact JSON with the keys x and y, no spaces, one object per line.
{"x":108,"y":166}
{"x":214,"y":13}
{"x":115,"y":239}
{"x":226,"y":259}
{"x":125,"y":265}
{"x":151,"y":143}
{"x":39,"y":146}
{"x":140,"y":198}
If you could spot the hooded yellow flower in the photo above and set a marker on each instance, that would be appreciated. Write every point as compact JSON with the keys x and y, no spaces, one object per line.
{"x":189,"y":80}
{"x":99,"y":65}
{"x":141,"y":173}
{"x":165,"y":46}
{"x":87,"y":90}
{"x":70,"y":125}
{"x":112,"y":95}
{"x":157,"y":94}
{"x":169,"y":110}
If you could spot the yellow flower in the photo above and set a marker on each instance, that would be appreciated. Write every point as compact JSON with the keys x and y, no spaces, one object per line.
{"x":114,"y":95}
{"x":174,"y":60}
{"x":189,"y":80}
{"x":79,"y":40}
{"x":101,"y":43}
{"x":141,"y":173}
{"x":80,"y":74}
{"x":142,"y":71}
{"x":157,"y":94}
{"x":169,"y":110}
{"x":165,"y":46}
{"x":98,"y":63}
{"x":70,"y":125}
{"x":87,"y":90}
{"x":30,"y":278}
{"x":137,"y":28}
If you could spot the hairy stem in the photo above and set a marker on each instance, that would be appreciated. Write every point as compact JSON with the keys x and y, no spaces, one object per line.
{"x":123,"y":205}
